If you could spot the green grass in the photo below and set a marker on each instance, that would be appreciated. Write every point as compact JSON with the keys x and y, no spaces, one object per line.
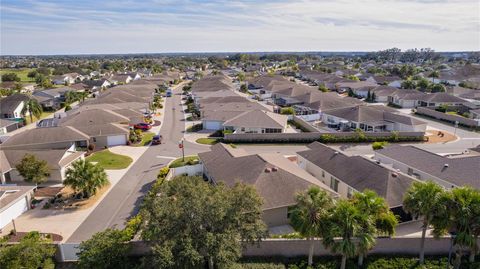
{"x":21,"y":73}
{"x":207,"y":141}
{"x":189,"y":160}
{"x":146,"y":139}
{"x":109,"y":160}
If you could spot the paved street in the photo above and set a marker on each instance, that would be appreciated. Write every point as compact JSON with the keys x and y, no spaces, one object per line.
{"x":124,"y":199}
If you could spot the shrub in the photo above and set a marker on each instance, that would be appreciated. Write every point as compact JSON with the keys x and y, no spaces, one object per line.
{"x":91,"y":147}
{"x":287,"y":111}
{"x":379,"y":145}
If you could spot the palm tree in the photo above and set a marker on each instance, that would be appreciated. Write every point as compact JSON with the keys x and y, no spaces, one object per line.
{"x":33,"y":108}
{"x":309,"y":214}
{"x":465,"y":210}
{"x":422,"y":200}
{"x":433,"y":75}
{"x":85,"y":177}
{"x":375,"y":207}
{"x":346,"y":226}
{"x":82,"y":95}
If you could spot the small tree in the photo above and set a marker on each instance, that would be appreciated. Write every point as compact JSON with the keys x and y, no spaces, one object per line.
{"x":32,"y":169}
{"x":85,"y":178}
{"x":309,"y":215}
{"x":10,"y":77}
{"x":322,"y":88}
{"x":107,"y":249}
{"x":33,"y":251}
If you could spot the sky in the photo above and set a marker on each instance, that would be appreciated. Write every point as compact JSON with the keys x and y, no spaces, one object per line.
{"x":36,"y":27}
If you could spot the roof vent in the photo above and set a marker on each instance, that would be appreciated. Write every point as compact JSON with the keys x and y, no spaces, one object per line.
{"x":274,"y":169}
{"x":336,"y":152}
{"x":394,"y":175}
{"x":377,"y":162}
{"x":268,"y":170}
{"x":445,"y":165}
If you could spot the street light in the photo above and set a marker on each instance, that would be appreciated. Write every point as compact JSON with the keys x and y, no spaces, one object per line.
{"x":181,"y":145}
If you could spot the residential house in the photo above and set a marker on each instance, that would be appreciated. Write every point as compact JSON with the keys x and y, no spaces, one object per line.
{"x":120,"y":79}
{"x":58,"y":160}
{"x":440,"y":99}
{"x":276,"y":179}
{"x":97,"y":85}
{"x":257,"y":122}
{"x":11,"y":106}
{"x":52,"y":99}
{"x":349,"y":174}
{"x":7,"y":126}
{"x":65,"y":79}
{"x":14,"y":201}
{"x":371,"y":119}
{"x":46,"y":138}
{"x":450,"y":172}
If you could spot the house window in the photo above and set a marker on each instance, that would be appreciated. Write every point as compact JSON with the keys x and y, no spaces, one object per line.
{"x":323,"y":173}
{"x":334,"y":183}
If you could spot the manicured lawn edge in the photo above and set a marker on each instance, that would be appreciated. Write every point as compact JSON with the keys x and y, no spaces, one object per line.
{"x":109,"y":160}
{"x":189,"y":160}
{"x":207,"y":141}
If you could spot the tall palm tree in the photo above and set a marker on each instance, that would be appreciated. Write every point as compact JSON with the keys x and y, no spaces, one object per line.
{"x":85,"y":177}
{"x":33,"y":108}
{"x":433,"y":75}
{"x":309,"y":214}
{"x":465,"y":209}
{"x":348,"y":224}
{"x":422,"y":200}
{"x":375,"y":207}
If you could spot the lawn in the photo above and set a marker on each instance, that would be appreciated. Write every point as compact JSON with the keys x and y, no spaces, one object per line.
{"x":146,"y":139}
{"x":21,"y":73}
{"x":207,"y":141}
{"x":109,"y":160}
{"x":42,"y":116}
{"x":189,"y":160}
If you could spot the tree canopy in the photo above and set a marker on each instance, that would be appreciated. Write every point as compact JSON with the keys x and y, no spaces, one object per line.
{"x":32,"y":169}
{"x":190,"y":222}
{"x":85,"y":177}
{"x":33,"y":251}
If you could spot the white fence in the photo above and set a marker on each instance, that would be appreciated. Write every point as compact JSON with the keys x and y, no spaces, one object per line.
{"x":191,"y":170}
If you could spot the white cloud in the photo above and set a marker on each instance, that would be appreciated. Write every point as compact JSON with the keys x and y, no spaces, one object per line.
{"x":161,"y":26}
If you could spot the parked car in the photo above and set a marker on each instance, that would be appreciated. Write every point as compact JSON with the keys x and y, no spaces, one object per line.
{"x":157,"y":140}
{"x":142,"y":126}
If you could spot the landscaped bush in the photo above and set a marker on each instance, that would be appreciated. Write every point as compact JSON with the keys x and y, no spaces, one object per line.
{"x":379,"y":145}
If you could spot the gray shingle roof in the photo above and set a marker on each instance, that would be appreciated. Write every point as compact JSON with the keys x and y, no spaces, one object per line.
{"x":277,"y":188}
{"x":258,"y":119}
{"x":10,"y":103}
{"x":359,"y":173}
{"x":460,"y":171}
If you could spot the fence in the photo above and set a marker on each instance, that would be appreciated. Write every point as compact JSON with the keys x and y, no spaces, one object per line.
{"x":447,"y":117}
{"x":316,"y":136}
{"x":295,"y":247}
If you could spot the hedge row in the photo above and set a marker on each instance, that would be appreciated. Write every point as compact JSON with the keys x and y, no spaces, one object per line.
{"x":371,"y":262}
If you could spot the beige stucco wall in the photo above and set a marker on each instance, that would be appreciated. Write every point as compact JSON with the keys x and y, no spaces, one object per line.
{"x":326,"y":178}
{"x":276,"y":216}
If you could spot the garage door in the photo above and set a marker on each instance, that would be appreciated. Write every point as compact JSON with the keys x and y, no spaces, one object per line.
{"x":13,"y":212}
{"x":212,"y":125}
{"x":116,"y":140}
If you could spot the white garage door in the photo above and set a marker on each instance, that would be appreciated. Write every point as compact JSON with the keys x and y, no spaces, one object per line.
{"x":116,"y":140}
{"x":13,"y":211}
{"x":212,"y":125}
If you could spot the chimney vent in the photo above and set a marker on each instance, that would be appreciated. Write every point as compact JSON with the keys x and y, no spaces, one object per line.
{"x":336,"y":152}
{"x":445,"y":165}
{"x":267,"y":170}
{"x":394,"y":175}
{"x":274,"y":169}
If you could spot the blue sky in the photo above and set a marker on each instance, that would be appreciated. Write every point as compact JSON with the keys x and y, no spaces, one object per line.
{"x":125,"y":26}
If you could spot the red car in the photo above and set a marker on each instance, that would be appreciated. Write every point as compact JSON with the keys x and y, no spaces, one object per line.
{"x":142,"y":126}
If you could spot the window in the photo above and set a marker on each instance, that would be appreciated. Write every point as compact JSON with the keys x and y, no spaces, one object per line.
{"x":410,"y":171}
{"x":323,"y":173}
{"x":94,"y":139}
{"x":334,"y":183}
